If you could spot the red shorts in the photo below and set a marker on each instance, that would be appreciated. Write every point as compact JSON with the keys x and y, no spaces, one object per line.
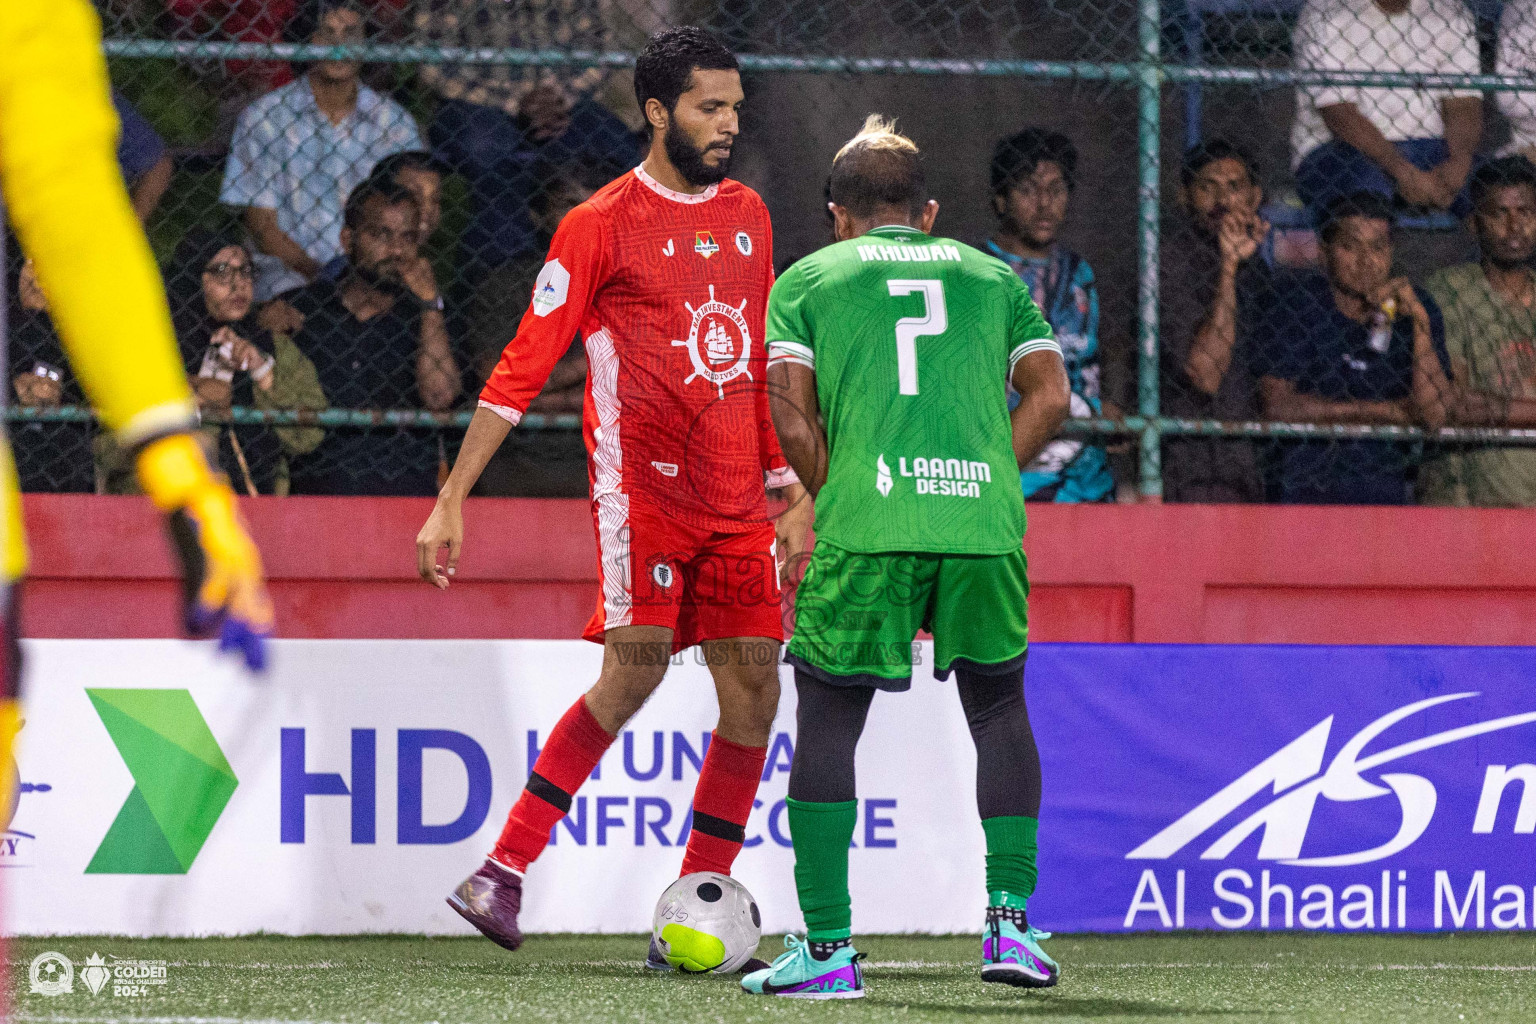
{"x":656,"y":571}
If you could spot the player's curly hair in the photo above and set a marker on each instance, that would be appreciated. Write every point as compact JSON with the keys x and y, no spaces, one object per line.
{"x":665,"y":68}
{"x":878,"y":169}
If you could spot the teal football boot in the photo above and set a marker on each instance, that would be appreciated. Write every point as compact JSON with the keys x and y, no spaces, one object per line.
{"x":1012,"y":955}
{"x":798,"y":975}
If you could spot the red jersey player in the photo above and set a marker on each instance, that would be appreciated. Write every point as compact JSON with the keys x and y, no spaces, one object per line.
{"x":665,"y":274}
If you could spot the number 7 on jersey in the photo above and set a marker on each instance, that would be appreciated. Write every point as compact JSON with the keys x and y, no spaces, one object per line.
{"x":909,"y":328}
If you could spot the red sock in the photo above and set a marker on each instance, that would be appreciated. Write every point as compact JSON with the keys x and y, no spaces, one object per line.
{"x":721,"y":802}
{"x":575,"y":746}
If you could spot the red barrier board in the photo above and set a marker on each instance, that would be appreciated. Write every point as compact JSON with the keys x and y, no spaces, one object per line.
{"x":345,"y":567}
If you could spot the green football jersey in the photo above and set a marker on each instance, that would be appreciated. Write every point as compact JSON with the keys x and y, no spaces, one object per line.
{"x":912,"y":339}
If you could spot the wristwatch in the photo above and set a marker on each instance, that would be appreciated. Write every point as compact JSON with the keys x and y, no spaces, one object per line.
{"x":436,"y":302}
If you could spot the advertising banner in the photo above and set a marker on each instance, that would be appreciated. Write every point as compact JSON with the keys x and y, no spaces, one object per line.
{"x":165,"y":793}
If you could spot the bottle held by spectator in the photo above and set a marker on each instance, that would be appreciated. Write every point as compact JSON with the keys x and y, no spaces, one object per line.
{"x":1380,"y":338}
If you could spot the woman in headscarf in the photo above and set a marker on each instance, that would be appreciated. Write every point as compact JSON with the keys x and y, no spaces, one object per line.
{"x":233,"y":361}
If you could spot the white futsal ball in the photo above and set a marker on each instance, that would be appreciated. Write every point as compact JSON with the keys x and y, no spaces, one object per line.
{"x":707,"y":922}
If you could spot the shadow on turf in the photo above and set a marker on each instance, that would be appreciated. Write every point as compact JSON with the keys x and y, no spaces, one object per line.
{"x":1068,"y":1006}
{"x":1012,"y":1003}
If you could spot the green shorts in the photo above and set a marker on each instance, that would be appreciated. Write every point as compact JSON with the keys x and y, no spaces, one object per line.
{"x":857,"y":614}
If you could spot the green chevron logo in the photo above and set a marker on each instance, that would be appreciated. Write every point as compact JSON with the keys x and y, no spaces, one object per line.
{"x":182,"y":782}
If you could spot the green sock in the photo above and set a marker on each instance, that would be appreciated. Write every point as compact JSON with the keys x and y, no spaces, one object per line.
{"x":821,"y":834}
{"x":1011,"y":851}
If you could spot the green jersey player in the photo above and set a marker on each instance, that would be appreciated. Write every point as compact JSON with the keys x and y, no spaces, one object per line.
{"x":890,"y":352}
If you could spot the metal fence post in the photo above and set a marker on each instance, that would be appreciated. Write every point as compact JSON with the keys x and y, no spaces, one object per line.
{"x":1148,"y":210}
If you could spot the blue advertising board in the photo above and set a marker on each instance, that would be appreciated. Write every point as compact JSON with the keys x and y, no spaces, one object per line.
{"x":1252,"y":787}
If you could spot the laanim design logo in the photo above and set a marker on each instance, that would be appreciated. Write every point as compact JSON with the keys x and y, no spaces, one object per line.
{"x":182,"y":782}
{"x":1296,"y":776}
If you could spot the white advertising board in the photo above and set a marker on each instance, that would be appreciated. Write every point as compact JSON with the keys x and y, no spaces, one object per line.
{"x":364,"y":779}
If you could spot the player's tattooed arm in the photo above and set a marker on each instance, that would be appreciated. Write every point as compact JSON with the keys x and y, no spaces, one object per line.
{"x":797,"y":420}
{"x":1045,"y":396}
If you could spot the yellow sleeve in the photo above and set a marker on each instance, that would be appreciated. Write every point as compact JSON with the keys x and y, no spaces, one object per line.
{"x":66,"y":198}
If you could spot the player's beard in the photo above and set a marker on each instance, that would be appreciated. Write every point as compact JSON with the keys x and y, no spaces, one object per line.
{"x":689,"y":160}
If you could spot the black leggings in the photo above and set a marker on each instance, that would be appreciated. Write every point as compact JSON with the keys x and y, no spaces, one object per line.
{"x":830,"y":720}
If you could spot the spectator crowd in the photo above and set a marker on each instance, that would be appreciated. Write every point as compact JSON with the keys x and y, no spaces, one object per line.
{"x":331,"y":281}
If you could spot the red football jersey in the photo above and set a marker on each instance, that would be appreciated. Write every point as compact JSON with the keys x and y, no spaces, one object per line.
{"x":669,"y":292}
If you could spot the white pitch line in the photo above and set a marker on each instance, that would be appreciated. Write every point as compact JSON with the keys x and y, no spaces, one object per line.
{"x":1176,"y":965}
{"x":33,"y":1018}
{"x":319,"y":966}
{"x":1333,"y":967}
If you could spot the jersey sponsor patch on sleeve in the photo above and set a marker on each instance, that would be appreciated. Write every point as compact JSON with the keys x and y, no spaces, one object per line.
{"x":551,"y":289}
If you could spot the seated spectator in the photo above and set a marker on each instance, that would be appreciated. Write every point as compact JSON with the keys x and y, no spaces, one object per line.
{"x":1517,"y":59}
{"x":1490,"y":333}
{"x":1354,"y":346}
{"x":299,"y":150}
{"x":54,"y":457}
{"x":1214,"y":280}
{"x":1415,"y":145}
{"x":142,"y":155}
{"x":379,"y":341}
{"x":496,"y":121}
{"x":1032,"y":178}
{"x":419,"y":173}
{"x":547,"y":463}
{"x":232,"y":361}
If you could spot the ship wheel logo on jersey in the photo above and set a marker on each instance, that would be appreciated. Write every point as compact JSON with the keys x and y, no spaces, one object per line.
{"x":718,"y":343}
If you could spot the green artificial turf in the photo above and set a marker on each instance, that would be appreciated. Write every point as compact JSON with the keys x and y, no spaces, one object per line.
{"x":1187,"y":977}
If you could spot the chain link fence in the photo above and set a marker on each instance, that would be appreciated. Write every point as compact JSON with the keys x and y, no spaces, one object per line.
{"x":1251,"y":222}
